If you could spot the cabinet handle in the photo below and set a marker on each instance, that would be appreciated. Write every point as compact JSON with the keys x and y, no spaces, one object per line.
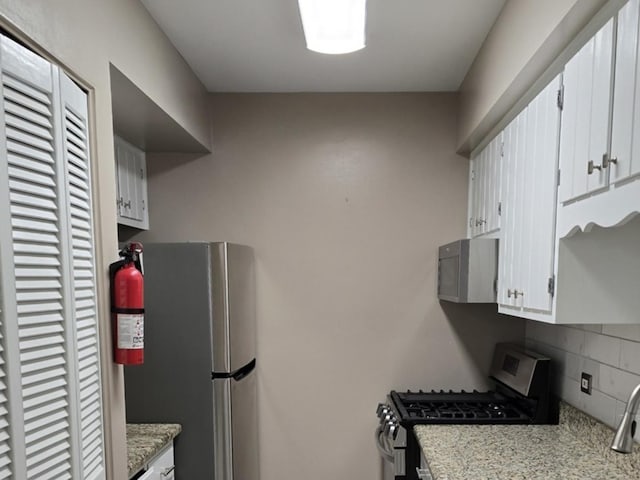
{"x":606,"y":160}
{"x":127,"y":205}
{"x":591,"y":167}
{"x":119,"y":202}
{"x":167,"y":471}
{"x":509,"y":293}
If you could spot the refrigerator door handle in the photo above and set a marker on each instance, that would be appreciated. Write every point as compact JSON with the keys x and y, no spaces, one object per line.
{"x":238,"y":374}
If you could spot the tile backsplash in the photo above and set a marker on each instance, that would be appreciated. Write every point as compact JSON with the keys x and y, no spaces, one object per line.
{"x":609,"y":353}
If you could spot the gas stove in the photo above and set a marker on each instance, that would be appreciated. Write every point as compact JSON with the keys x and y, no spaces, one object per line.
{"x":521,"y":396}
{"x":462,"y":407}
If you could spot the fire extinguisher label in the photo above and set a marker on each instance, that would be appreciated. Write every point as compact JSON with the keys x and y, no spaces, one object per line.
{"x":130,"y":331}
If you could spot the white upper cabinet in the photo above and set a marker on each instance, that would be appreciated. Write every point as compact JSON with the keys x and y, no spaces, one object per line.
{"x":569,"y":170}
{"x":585,"y":120}
{"x":600,"y":138}
{"x":527,"y":240}
{"x":485,"y":189}
{"x":131,"y":171}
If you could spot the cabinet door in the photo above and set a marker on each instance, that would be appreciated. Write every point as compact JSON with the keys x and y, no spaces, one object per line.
{"x":625,"y":134}
{"x":529,"y":183}
{"x":481,"y":218}
{"x":472,"y":199}
{"x":585,"y":122}
{"x":508,"y":233}
{"x":495,"y":184}
{"x":485,"y":189}
{"x":164,"y":464}
{"x":132,"y":185}
{"x":478,"y":194}
{"x":539,"y":209}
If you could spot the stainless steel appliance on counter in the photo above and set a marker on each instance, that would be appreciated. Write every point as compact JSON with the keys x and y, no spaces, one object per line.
{"x":468,"y":271}
{"x":199,"y":367}
{"x":522,"y":396}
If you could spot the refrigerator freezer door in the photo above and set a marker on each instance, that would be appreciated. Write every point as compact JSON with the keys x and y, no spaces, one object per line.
{"x":235,"y":429}
{"x":233,"y":297}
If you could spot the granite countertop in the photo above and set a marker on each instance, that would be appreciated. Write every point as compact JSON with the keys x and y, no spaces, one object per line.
{"x":576,"y":449}
{"x":146,"y":440}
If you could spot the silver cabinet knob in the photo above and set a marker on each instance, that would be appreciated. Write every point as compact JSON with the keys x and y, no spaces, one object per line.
{"x":607,"y":160}
{"x":591,"y":167}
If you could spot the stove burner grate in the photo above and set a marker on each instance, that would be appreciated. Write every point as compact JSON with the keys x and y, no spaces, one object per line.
{"x":458,"y":407}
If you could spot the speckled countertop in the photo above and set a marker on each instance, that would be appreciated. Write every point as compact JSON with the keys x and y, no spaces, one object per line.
{"x":146,"y":440}
{"x":576,"y":449}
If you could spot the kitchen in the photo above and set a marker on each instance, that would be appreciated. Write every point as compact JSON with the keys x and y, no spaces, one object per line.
{"x":345,"y":198}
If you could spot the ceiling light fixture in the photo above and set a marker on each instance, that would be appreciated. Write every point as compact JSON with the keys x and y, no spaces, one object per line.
{"x":333,"y":26}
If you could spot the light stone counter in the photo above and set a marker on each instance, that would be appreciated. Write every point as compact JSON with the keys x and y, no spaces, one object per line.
{"x":146,"y":440}
{"x":576,"y":449}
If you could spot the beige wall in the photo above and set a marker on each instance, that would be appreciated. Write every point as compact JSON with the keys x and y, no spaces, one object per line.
{"x":525,"y":39}
{"x":345,"y":199}
{"x":85,"y":36}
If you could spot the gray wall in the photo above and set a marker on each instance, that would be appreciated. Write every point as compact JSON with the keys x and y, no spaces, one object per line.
{"x":345,"y":199}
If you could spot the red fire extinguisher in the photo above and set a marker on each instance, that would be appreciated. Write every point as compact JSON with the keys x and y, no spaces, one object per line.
{"x":127,"y":306}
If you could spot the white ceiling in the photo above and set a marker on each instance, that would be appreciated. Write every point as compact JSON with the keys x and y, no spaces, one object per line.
{"x":258,"y":45}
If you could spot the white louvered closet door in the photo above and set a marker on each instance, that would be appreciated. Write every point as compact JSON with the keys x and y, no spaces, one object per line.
{"x":75,"y":156}
{"x":49,"y":335}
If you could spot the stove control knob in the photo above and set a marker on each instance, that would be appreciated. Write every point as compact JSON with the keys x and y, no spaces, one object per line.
{"x":382,"y":410}
{"x":390,"y":427}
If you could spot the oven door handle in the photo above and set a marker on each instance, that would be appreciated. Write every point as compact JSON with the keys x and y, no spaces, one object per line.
{"x":379,"y":440}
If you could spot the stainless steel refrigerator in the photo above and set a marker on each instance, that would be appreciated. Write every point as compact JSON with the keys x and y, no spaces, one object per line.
{"x":199,"y":366}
